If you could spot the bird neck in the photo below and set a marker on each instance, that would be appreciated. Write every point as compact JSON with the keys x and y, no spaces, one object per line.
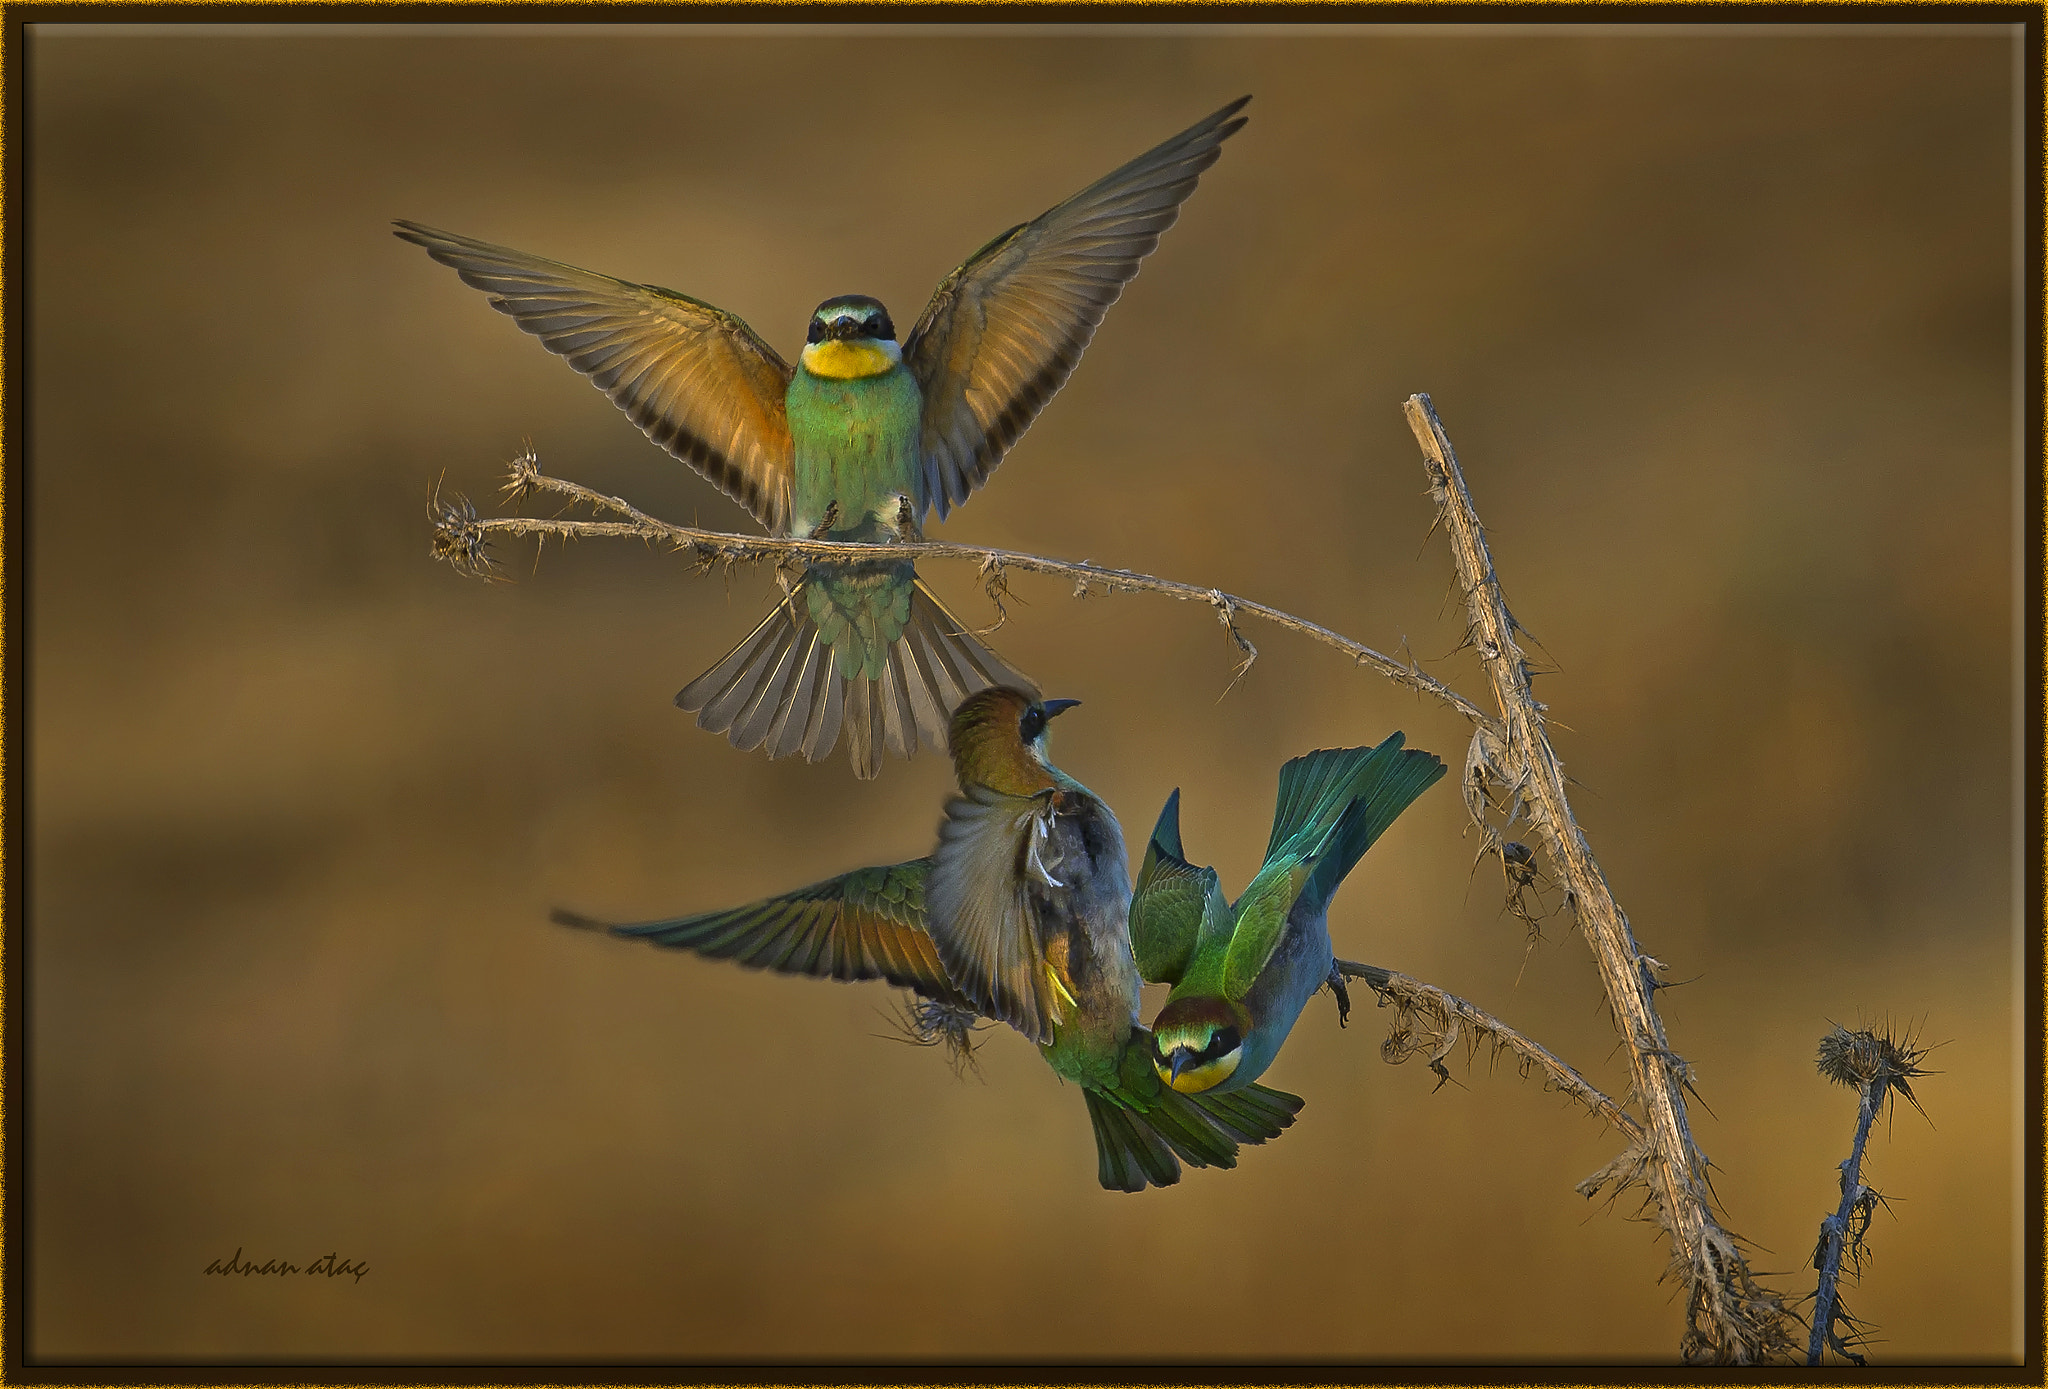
{"x":1008,"y":766}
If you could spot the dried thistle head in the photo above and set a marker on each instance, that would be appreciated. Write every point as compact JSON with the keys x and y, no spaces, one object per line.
{"x":459,"y":535}
{"x":931,"y":1022}
{"x":522,"y":474}
{"x":1880,"y":1061}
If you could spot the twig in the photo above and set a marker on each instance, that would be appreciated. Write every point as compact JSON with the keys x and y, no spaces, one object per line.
{"x":1876,"y":1066}
{"x":1730,"y":1318}
{"x":711,"y":547}
{"x":1442,"y":1016}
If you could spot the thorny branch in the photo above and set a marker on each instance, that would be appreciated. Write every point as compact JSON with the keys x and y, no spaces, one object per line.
{"x":1431,"y":1022}
{"x":1730,"y":1318}
{"x":463,"y":538}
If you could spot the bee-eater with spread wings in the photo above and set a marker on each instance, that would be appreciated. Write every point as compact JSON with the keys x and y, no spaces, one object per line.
{"x":1032,"y":856}
{"x":858,"y":441}
{"x":1242,"y":972}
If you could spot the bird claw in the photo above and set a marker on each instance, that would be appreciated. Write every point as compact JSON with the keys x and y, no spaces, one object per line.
{"x":907,"y":529}
{"x":1336,"y":983}
{"x":1040,"y":832}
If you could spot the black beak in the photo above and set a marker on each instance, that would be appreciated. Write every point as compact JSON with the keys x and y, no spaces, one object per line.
{"x":1055,"y":707}
{"x":1178,"y":1061}
{"x":845,"y":326}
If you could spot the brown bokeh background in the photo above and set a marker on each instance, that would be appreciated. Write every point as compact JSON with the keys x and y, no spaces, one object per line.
{"x":1720,"y":322}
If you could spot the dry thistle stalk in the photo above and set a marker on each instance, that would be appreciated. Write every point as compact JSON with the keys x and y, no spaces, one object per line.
{"x":1730,"y":1319}
{"x":1877,"y":1065}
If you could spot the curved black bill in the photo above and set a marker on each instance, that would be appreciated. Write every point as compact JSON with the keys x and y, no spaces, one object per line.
{"x":1056,"y":707}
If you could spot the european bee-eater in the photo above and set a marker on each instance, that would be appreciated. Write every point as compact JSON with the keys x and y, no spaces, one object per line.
{"x":1063,"y":871}
{"x":1028,"y":902}
{"x":1242,"y":972}
{"x":858,"y":441}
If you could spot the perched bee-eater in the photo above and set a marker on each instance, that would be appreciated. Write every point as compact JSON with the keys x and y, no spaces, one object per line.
{"x":1242,"y":972}
{"x":1029,"y":852}
{"x":858,"y":441}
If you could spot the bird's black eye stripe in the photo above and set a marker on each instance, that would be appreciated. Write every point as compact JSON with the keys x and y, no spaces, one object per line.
{"x":1223,"y":1042}
{"x":1033,"y":724}
{"x":817,"y":333}
{"x":880,"y":328}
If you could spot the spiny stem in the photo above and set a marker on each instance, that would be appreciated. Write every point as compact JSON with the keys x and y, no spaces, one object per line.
{"x":1448,"y":1011}
{"x":1729,"y":1317}
{"x":720,"y":545}
{"x":1834,"y":1233}
{"x":1878,"y":1064}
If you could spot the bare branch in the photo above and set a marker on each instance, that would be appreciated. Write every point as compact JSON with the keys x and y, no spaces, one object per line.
{"x":1441,"y":1017}
{"x":1730,"y":1319}
{"x":713,"y":546}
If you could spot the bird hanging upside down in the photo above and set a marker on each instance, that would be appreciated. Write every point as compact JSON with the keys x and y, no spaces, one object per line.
{"x":1019,"y":915}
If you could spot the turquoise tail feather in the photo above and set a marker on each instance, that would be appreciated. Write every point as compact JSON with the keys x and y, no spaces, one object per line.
{"x":1314,"y":790}
{"x":1387,"y":784}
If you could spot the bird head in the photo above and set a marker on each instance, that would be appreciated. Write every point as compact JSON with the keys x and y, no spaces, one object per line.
{"x":851,"y":335}
{"x":1197,"y":1042}
{"x":851,"y":316}
{"x":998,"y":739}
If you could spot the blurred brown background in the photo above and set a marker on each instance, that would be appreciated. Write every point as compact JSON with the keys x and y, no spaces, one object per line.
{"x":1721,"y":325}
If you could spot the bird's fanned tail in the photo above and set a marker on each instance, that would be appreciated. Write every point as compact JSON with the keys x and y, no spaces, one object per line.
{"x":1316,"y":787}
{"x":1130,"y":1155}
{"x":1137,"y":1140}
{"x":1343,"y":799}
{"x":808,"y":673}
{"x":1385,"y":789}
{"x":1251,"y":1115}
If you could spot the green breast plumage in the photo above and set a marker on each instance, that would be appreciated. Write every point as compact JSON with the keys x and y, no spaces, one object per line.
{"x":856,"y":445}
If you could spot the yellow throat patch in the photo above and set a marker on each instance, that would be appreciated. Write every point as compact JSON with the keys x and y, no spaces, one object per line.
{"x":851,"y":357}
{"x":1195,"y":1079}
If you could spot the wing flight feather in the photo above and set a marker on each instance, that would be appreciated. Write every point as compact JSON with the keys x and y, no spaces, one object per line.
{"x":1003,"y":332}
{"x":696,"y":379}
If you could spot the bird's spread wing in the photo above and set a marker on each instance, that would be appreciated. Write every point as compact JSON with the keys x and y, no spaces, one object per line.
{"x":1167,"y":904}
{"x":696,"y":379}
{"x":979,"y":909}
{"x":867,"y":924}
{"x":1003,"y":332}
